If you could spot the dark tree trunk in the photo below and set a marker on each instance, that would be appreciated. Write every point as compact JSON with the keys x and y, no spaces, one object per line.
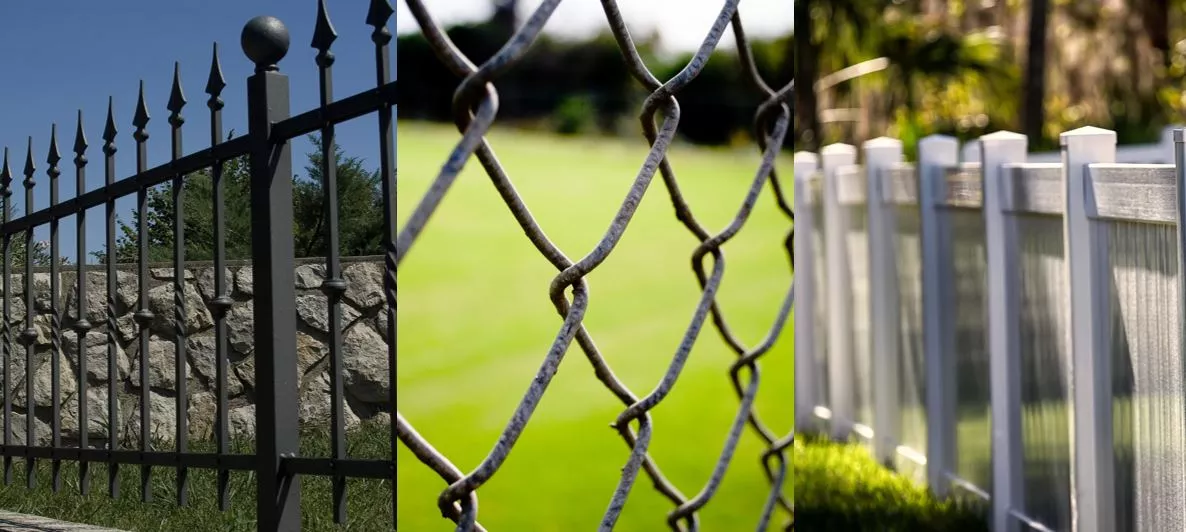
{"x":1033,"y":112}
{"x":1156,"y":16}
{"x":807,"y":125}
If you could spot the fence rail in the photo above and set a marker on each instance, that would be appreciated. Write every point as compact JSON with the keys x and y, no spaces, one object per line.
{"x":1011,"y":332}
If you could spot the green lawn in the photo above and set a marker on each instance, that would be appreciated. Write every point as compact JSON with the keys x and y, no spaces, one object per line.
{"x":475,"y":322}
{"x":368,"y":501}
{"x":843,"y":488}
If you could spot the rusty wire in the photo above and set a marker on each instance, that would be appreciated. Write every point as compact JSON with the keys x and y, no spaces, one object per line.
{"x":475,"y":106}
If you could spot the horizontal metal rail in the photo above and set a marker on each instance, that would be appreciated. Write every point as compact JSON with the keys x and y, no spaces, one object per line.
{"x":360,"y":104}
{"x":350,"y":467}
{"x":189,"y":164}
{"x":238,"y":462}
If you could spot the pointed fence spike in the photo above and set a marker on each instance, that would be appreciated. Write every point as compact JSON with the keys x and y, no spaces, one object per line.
{"x":215,"y":83}
{"x":378,"y":13}
{"x":176,"y":95}
{"x":80,"y":143}
{"x":5,"y":173}
{"x":140,"y":120}
{"x":29,"y":166}
{"x":324,"y":33}
{"x":54,"y":154}
{"x":109,"y":130}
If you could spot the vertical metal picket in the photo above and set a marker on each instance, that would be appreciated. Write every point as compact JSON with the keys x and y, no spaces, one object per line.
{"x":1093,"y":503}
{"x":378,"y":14}
{"x":180,"y":328}
{"x":82,"y":325}
{"x":1004,"y":311}
{"x":29,"y":335}
{"x":936,"y":153}
{"x":879,"y":155}
{"x":221,"y":303}
{"x":840,"y":344}
{"x":144,"y":314}
{"x":334,"y":286}
{"x":805,"y":264}
{"x":113,"y":421}
{"x":54,"y":311}
{"x":265,"y":41}
{"x":9,"y":349}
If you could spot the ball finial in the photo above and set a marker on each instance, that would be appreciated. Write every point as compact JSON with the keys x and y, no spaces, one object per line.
{"x":265,"y":41}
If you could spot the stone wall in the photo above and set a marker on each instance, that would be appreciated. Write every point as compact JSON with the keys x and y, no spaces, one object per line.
{"x":364,"y":340}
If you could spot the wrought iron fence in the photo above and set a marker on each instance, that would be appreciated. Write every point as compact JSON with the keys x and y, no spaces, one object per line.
{"x":276,"y":460}
{"x":476,"y":104}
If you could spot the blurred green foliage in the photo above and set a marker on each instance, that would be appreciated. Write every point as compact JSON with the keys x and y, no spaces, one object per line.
{"x":839,"y":487}
{"x":957,"y":67}
{"x":584,"y":85}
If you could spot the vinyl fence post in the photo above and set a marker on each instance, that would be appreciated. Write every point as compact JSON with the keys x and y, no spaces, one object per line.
{"x":265,"y":41}
{"x":936,"y":153}
{"x":1092,"y":470}
{"x":839,"y":287}
{"x":806,"y":395}
{"x":880,"y":154}
{"x":1004,"y":314}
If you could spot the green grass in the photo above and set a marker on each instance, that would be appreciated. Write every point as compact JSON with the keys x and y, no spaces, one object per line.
{"x":369,"y":501}
{"x":475,"y":323}
{"x":840,"y":487}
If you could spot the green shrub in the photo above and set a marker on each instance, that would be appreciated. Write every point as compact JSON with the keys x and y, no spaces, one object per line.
{"x":576,"y":114}
{"x":840,"y":487}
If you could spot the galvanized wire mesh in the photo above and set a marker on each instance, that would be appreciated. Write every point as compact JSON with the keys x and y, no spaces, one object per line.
{"x":475,"y":108}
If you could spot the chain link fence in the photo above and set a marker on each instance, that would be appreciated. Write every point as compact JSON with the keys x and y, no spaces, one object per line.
{"x":475,"y":110}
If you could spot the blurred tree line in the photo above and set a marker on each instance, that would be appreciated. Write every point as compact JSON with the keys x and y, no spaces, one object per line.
{"x":965,"y":68}
{"x":574,"y":86}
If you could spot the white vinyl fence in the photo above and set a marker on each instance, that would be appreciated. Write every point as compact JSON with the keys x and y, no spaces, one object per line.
{"x":1007,"y":328}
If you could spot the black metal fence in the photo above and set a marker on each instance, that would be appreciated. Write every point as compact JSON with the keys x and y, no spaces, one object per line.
{"x":276,"y":460}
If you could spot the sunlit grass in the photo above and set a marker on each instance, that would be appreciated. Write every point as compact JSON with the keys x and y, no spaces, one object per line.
{"x":841,"y":487}
{"x":475,"y":322}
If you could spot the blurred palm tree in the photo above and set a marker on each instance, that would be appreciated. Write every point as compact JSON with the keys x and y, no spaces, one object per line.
{"x":922,"y":53}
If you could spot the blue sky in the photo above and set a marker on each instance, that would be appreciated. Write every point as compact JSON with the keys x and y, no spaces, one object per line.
{"x":63,"y":56}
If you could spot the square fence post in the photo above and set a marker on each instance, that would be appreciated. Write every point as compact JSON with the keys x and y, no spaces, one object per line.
{"x":880,"y":154}
{"x":839,"y":292}
{"x":265,"y":41}
{"x":1004,"y":315}
{"x":806,"y":396}
{"x":1092,"y":470}
{"x":936,"y":153}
